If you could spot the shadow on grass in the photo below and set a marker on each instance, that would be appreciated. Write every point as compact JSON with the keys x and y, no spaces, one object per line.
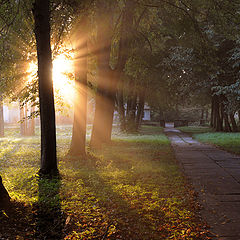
{"x":17,"y":222}
{"x":124,"y":220}
{"x":48,"y":215}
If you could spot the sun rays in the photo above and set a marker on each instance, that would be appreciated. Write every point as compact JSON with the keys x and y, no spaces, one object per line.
{"x":62,"y":74}
{"x":63,"y":77}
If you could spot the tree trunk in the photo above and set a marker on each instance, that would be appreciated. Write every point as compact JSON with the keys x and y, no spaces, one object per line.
{"x":140,"y":109}
{"x":227,"y":127}
{"x":218,"y":119}
{"x":41,"y":13}
{"x":227,"y":124}
{"x":121,"y":109}
{"x":131,"y":116}
{"x":104,"y":103}
{"x":22,"y":122}
{"x":32,"y":123}
{"x":233,"y":121}
{"x":206,"y":116}
{"x":77,"y":147}
{"x":26,"y":120}
{"x":202,"y":113}
{"x":212,"y":113}
{"x":4,"y":197}
{"x":1,"y":119}
{"x":107,"y":87}
{"x":102,"y":124}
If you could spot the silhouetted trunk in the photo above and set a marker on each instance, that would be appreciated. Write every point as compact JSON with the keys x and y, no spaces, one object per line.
{"x":233,"y":121}
{"x":22,"y":121}
{"x":4,"y":197}
{"x":227,"y":124}
{"x":121,"y":109}
{"x":218,"y":119}
{"x":1,"y":119}
{"x":212,"y":112}
{"x":131,"y":97}
{"x":227,"y":127}
{"x":202,"y":113}
{"x":41,"y":13}
{"x":140,"y":109}
{"x":131,"y":115}
{"x":206,"y":117}
{"x":80,"y":102}
{"x":124,"y":47}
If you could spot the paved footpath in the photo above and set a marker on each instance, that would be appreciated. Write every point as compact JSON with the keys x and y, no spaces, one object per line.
{"x":215,"y":176}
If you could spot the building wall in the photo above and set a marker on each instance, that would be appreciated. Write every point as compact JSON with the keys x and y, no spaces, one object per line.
{"x":11,"y":113}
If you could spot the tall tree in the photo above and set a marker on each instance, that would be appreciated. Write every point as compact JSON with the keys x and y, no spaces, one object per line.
{"x":108,"y":76}
{"x":77,"y":147}
{"x":103,"y":94}
{"x":41,"y":13}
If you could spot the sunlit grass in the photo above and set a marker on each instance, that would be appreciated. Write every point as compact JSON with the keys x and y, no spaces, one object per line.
{"x":227,"y":141}
{"x":132,"y":189}
{"x":196,"y":129}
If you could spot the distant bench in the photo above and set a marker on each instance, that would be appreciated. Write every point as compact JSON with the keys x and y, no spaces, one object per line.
{"x":180,"y":123}
{"x":149,"y":123}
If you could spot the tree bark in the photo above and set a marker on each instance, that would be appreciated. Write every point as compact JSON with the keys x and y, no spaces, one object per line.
{"x":77,"y":147}
{"x":218,"y":118}
{"x":1,"y":118}
{"x":4,"y":197}
{"x":131,"y":116}
{"x":206,"y":116}
{"x":212,"y":113}
{"x":202,"y":113}
{"x":140,"y":109}
{"x":233,"y":121}
{"x":227,"y":124}
{"x":121,"y":109}
{"x":41,"y":13}
{"x":227,"y":127}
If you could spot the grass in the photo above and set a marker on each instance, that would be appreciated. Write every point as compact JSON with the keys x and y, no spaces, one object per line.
{"x":132,"y":189}
{"x":195,"y":129}
{"x":226,"y":141}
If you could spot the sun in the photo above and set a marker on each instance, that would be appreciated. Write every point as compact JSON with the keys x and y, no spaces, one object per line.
{"x":62,"y":74}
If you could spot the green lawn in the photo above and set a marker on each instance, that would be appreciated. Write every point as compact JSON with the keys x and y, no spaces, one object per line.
{"x":227,"y":141}
{"x":132,"y":189}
